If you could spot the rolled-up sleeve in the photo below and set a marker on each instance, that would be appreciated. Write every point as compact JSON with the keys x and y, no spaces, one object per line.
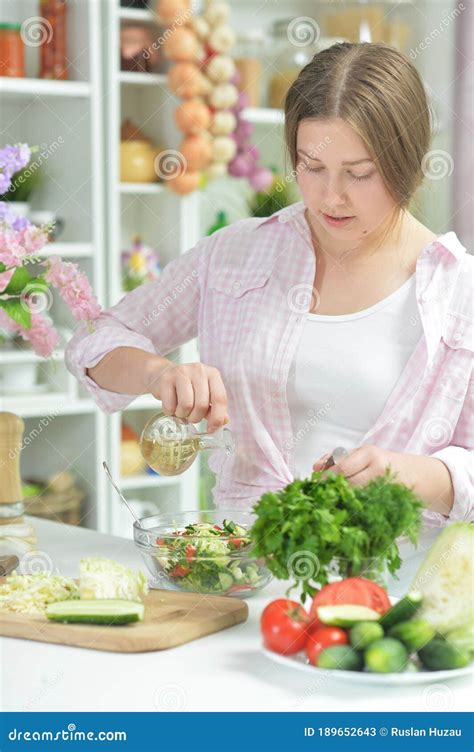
{"x":459,"y":459}
{"x":157,"y":317}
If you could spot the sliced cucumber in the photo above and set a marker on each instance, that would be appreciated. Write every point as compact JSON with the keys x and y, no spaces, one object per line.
{"x":346,"y":616}
{"x":100,"y":611}
{"x":226,"y":580}
{"x":403,"y":610}
{"x":341,"y":657}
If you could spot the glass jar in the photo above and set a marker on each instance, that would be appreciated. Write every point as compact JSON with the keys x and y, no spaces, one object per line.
{"x":293,"y":44}
{"x":248,"y":57}
{"x":53,"y":51}
{"x":391,"y":21}
{"x":373,"y":568}
{"x":12,"y":51}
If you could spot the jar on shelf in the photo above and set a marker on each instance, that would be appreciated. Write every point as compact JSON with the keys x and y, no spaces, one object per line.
{"x":293,"y":44}
{"x":12,"y":51}
{"x":248,"y":57}
{"x":389,"y":21}
{"x":53,"y":50}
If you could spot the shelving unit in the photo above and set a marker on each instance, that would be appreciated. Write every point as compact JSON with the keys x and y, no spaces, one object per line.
{"x":64,"y":119}
{"x":165,"y":221}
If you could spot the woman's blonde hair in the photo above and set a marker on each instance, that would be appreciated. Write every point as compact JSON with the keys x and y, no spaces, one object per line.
{"x":376,"y":90}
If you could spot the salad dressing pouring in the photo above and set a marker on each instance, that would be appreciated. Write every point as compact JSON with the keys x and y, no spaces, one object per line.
{"x":170,"y":445}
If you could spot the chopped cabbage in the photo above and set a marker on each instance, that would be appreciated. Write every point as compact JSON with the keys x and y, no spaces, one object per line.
{"x":32,"y":593}
{"x":104,"y":578}
{"x":446,"y":579}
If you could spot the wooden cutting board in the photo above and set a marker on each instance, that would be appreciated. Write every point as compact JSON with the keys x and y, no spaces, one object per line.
{"x":170,"y":619}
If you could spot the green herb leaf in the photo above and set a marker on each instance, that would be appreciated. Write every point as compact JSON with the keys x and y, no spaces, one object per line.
{"x":17,"y":311}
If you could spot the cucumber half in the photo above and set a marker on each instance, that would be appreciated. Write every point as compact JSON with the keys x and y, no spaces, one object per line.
{"x":101,"y":611}
{"x":346,"y":616}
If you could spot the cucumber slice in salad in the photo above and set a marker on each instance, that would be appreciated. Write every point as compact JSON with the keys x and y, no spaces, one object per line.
{"x":346,"y":616}
{"x":100,"y":611}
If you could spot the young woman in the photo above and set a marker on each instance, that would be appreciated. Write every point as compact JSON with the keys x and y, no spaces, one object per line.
{"x":341,"y":320}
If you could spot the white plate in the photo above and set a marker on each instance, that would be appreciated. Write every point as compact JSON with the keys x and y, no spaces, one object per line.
{"x":298,"y":662}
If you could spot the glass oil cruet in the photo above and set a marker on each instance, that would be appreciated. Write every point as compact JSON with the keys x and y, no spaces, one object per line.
{"x":170,"y":445}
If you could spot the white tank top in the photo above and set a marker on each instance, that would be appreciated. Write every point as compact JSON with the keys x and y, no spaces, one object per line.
{"x":344,"y":371}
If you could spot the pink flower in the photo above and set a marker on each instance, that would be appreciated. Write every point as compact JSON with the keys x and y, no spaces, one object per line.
{"x":73,"y":287}
{"x":42,"y":336}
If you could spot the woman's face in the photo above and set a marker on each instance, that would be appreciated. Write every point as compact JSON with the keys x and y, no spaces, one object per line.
{"x":340,"y":184}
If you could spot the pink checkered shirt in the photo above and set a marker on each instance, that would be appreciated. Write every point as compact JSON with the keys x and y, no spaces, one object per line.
{"x":245,"y":292}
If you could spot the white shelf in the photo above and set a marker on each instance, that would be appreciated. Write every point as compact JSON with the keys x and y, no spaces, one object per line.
{"x":68,"y":250}
{"x":52,"y":404}
{"x":41,"y":87}
{"x":265,"y":115}
{"x":26,"y":356}
{"x":138,"y":78}
{"x":138,"y":188}
{"x":146,"y":480}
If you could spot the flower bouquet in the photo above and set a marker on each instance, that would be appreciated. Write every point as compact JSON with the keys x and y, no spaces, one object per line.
{"x":26,"y":279}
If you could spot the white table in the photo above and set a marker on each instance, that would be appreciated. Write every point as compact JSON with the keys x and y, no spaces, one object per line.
{"x":223,"y":672}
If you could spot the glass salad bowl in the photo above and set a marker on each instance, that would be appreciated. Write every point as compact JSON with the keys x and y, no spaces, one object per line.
{"x":205,"y":551}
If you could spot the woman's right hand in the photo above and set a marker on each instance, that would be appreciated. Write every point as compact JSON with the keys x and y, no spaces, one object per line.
{"x":190,"y":390}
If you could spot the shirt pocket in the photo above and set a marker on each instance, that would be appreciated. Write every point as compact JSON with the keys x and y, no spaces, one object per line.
{"x":238,"y":303}
{"x":456,"y":358}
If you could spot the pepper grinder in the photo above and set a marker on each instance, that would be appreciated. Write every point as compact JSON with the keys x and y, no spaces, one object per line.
{"x":16,"y":536}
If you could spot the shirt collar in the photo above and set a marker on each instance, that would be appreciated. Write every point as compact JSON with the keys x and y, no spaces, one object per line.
{"x":283,"y":215}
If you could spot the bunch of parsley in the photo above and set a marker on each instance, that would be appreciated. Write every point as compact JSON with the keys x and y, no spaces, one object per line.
{"x":324,"y":517}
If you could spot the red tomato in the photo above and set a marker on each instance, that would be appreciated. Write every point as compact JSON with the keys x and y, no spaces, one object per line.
{"x":284,"y":626}
{"x":321,"y":638}
{"x":179,"y":571}
{"x":237,"y":542}
{"x":353,"y":590}
{"x":190,"y":552}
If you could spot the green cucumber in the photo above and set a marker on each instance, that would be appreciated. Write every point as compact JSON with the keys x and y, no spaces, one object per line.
{"x":341,"y":657}
{"x":226,"y":580}
{"x":462,"y":637}
{"x":439,"y":654}
{"x":414,"y":633}
{"x":365,"y":632}
{"x":386,"y":656}
{"x":100,"y":611}
{"x":346,"y":616}
{"x":403,"y":610}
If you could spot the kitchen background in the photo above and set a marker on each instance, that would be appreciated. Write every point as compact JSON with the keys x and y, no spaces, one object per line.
{"x":88,"y":83}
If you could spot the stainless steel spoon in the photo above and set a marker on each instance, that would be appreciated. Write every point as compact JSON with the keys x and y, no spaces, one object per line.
{"x":130,"y":509}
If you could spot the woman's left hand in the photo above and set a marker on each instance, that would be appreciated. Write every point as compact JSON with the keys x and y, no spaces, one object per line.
{"x":428,"y":476}
{"x":364,"y":463}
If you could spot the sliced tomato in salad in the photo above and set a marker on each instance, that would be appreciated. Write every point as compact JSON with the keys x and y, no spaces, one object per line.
{"x":356,"y":591}
{"x":179,"y":571}
{"x":190,"y":552}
